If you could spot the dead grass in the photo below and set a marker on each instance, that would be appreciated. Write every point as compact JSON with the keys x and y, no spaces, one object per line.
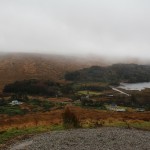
{"x":99,"y":117}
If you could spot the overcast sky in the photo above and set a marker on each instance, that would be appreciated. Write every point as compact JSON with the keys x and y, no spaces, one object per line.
{"x":101,"y":27}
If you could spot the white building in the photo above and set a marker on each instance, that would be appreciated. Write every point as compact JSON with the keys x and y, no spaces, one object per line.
{"x":15,"y":102}
{"x":116,"y":108}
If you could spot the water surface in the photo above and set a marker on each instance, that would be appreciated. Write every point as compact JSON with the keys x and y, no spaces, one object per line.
{"x":134,"y":86}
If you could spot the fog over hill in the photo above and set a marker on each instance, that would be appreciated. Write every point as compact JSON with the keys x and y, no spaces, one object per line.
{"x":19,"y":66}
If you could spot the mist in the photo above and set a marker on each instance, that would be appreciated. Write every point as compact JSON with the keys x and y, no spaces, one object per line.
{"x":106,"y":28}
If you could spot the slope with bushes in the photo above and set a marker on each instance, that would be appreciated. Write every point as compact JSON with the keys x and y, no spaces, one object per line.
{"x":111,"y":74}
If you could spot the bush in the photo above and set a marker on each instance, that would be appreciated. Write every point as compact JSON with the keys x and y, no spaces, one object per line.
{"x":32,"y":87}
{"x":70,"y":120}
{"x":47,"y":105}
{"x":12,"y":110}
{"x":38,"y":105}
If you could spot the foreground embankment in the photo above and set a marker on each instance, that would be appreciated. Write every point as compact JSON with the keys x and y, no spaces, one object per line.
{"x":86,"y":139}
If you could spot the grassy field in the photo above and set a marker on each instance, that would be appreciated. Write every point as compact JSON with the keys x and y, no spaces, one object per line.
{"x":21,"y":125}
{"x":91,"y":93}
{"x":18,"y":133}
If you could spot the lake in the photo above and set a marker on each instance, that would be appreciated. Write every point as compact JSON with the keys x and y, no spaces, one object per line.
{"x":134,"y":86}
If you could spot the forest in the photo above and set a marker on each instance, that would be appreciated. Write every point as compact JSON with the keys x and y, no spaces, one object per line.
{"x":112,"y":74}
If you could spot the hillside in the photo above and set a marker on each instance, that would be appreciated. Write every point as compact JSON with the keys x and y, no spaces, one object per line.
{"x":112,"y":74}
{"x":19,"y":66}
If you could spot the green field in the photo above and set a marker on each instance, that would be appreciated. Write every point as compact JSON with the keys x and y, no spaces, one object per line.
{"x":91,"y":93}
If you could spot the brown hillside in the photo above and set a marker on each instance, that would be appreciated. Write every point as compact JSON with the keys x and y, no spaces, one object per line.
{"x":26,"y":66}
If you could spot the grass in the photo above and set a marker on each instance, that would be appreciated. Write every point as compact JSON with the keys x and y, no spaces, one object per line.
{"x":92,"y":84}
{"x":145,"y":125}
{"x":142,"y":125}
{"x":91,"y":93}
{"x":57,"y":128}
{"x":116,"y":124}
{"x":14,"y":132}
{"x":70,"y":120}
{"x":12,"y":110}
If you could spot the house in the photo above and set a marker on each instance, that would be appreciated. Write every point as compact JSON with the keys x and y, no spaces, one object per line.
{"x":140,"y":109}
{"x":114,"y":107}
{"x":120,"y":109}
{"x":15,"y":102}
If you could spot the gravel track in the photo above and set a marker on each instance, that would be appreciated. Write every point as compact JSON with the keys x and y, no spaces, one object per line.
{"x":87,"y":139}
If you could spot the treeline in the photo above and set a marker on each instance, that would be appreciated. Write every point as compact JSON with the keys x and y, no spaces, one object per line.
{"x":37,"y":87}
{"x":112,"y":74}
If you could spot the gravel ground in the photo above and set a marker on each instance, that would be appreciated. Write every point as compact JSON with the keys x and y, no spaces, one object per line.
{"x":87,"y":139}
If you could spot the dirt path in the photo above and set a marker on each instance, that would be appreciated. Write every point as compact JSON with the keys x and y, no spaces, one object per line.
{"x":87,"y":139}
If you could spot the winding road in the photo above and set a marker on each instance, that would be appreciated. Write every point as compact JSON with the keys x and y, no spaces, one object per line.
{"x":115,"y":89}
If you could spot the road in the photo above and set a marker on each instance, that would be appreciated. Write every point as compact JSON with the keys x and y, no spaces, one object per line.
{"x":115,"y":89}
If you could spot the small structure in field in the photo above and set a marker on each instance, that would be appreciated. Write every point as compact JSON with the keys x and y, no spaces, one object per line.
{"x":120,"y":109}
{"x":15,"y":102}
{"x":114,"y":107}
{"x":140,"y":109}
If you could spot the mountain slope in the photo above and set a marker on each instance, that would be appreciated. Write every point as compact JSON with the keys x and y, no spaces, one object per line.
{"x":17,"y":66}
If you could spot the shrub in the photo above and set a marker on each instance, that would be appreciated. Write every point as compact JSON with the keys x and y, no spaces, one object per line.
{"x":12,"y":110}
{"x":70,"y":120}
{"x":47,"y":105}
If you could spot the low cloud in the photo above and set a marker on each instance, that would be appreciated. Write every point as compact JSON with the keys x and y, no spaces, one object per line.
{"x":101,"y":27}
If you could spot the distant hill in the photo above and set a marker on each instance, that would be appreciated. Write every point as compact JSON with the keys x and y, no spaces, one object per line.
{"x":112,"y":74}
{"x":21,"y":66}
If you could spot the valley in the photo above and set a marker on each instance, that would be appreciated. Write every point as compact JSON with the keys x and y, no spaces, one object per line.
{"x":91,"y":96}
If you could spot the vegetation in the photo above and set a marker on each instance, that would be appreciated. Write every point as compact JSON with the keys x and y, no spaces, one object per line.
{"x":91,"y":93}
{"x":139,"y":99}
{"x":12,"y":110}
{"x":38,"y":105}
{"x":14,"y":132}
{"x":38,"y":87}
{"x":70,"y":120}
{"x":91,"y":89}
{"x":86,"y":102}
{"x":33,"y":87}
{"x":33,"y":105}
{"x":99,"y":87}
{"x":112,"y":74}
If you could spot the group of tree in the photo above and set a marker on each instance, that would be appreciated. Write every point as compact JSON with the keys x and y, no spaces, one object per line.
{"x":34,"y":87}
{"x":111,"y":74}
{"x":38,"y":87}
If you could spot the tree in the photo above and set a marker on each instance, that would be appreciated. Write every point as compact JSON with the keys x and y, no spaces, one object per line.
{"x":70,"y":120}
